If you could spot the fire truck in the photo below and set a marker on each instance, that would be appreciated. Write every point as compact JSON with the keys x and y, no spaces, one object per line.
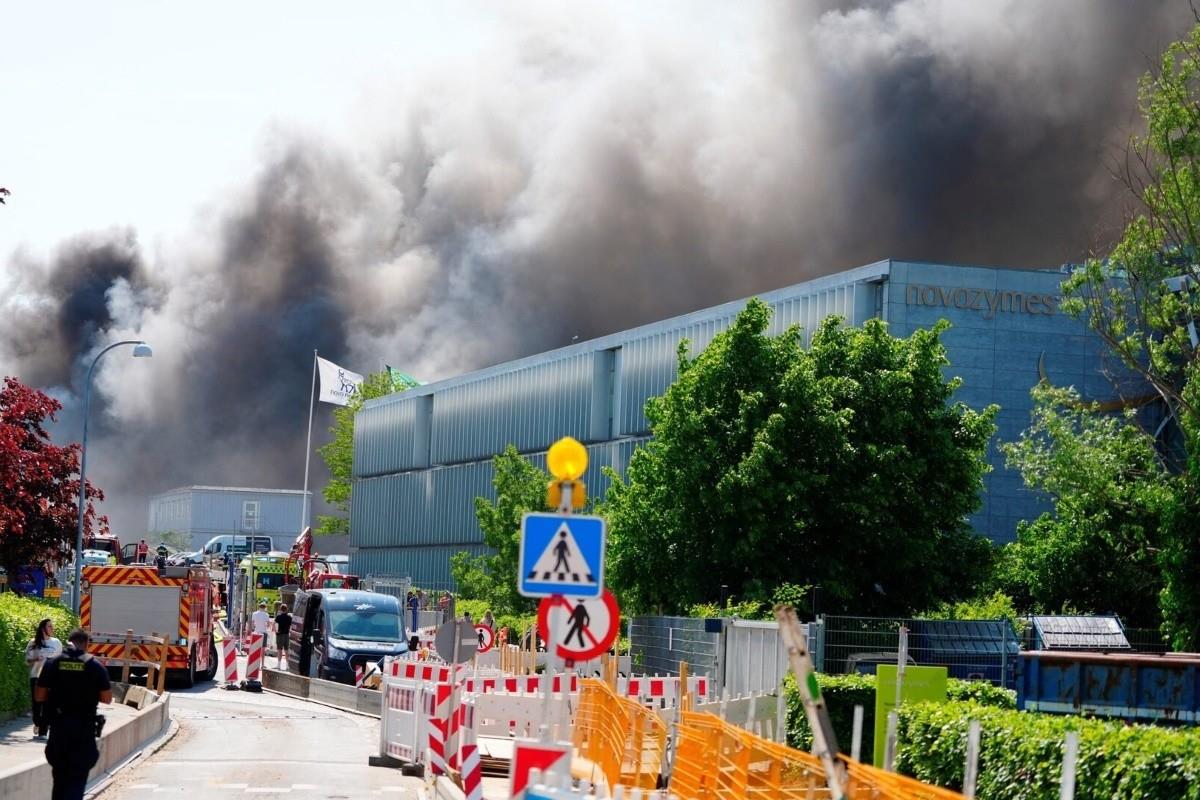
{"x":173,"y":602}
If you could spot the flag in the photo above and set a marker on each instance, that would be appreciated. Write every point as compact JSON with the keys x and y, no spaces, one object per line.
{"x":402,"y":380}
{"x":337,"y":385}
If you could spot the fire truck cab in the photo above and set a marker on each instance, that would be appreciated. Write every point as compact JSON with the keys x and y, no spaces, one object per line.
{"x":173,"y":602}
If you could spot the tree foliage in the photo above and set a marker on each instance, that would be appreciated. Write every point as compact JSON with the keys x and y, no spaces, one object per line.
{"x":339,"y":452}
{"x":1143,"y":300}
{"x":844,"y":465}
{"x":39,"y":483}
{"x":1098,"y":551}
{"x":520,"y":487}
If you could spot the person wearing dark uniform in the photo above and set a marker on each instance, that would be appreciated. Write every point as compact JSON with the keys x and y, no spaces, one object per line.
{"x":72,"y":686}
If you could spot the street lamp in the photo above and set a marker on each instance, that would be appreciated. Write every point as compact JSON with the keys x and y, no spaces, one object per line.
{"x":140,"y":350}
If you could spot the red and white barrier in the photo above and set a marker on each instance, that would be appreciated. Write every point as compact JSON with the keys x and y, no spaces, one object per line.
{"x":254,"y":657}
{"x":663,"y":692}
{"x":360,"y":675}
{"x":524,"y":684}
{"x":472,"y":772}
{"x":229,"y":656}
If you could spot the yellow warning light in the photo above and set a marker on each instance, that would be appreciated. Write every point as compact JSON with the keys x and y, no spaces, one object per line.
{"x":554,"y":490}
{"x":567,"y":459}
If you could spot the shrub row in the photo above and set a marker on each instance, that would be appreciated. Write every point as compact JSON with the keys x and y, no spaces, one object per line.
{"x":843,"y":692}
{"x":19,"y":617}
{"x":1021,"y":754}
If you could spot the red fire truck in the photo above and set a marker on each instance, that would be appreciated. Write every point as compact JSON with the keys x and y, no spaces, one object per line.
{"x":175,"y":602}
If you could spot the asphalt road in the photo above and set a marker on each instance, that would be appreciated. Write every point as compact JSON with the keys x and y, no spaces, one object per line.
{"x":239,"y":744}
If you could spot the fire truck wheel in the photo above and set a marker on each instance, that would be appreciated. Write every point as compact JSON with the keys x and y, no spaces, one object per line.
{"x":187,"y":677}
{"x":211,"y":672}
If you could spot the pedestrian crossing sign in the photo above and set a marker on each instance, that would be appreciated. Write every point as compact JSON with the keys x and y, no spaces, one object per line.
{"x":561,"y":554}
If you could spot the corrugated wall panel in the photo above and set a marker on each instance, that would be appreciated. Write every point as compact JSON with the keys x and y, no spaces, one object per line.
{"x":383,"y":438}
{"x":530,"y":408}
{"x":429,"y":567}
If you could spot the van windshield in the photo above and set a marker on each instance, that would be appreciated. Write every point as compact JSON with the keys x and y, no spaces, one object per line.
{"x":365,"y":626}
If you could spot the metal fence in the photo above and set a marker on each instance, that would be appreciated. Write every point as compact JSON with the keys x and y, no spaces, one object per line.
{"x":658,"y":644}
{"x":969,"y":649}
{"x":1148,"y":640}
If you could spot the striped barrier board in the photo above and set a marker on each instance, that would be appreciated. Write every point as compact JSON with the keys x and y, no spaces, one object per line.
{"x":229,"y":657}
{"x":254,"y":658}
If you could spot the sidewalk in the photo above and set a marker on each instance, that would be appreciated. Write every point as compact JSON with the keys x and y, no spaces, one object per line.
{"x":18,"y":748}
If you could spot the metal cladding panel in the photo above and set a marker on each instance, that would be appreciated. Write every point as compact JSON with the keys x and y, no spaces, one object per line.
{"x":530,"y":407}
{"x":452,"y":502}
{"x":429,"y":567}
{"x":278,"y":514}
{"x":383,"y":438}
{"x":389,"y":510}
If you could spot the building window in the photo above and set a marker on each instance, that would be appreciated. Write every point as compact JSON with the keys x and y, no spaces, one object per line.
{"x":250,"y":515}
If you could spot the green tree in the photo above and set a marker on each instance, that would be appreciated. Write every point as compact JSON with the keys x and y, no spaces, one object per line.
{"x":844,"y":466}
{"x":1098,"y":551}
{"x":1143,"y":299}
{"x":520,"y":487}
{"x":339,"y":452}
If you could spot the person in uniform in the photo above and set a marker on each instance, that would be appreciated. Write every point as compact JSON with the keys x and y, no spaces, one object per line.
{"x":71,"y":687}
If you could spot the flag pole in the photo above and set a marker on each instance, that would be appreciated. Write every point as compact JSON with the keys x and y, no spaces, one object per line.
{"x":312,"y":399}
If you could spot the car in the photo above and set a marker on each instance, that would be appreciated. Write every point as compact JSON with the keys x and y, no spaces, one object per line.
{"x":93,"y":557}
{"x":865,"y":663}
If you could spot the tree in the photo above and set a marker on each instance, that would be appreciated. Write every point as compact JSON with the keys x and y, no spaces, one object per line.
{"x":1143,"y":300}
{"x":520,"y":487}
{"x":339,"y":452}
{"x":1099,"y":550}
{"x":843,"y":466}
{"x":39,"y":483}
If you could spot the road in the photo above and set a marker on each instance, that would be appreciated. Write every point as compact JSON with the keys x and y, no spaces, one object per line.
{"x":239,"y":744}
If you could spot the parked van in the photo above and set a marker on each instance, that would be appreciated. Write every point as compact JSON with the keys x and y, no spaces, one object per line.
{"x":335,"y":630}
{"x":239,"y":545}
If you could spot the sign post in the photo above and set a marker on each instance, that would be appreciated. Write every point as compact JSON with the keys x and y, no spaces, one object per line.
{"x":561,"y":553}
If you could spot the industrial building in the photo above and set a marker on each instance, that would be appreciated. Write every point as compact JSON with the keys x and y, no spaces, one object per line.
{"x":422,"y":456}
{"x":203,"y":512}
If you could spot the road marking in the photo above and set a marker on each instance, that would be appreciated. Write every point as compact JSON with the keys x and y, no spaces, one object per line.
{"x":267,"y":790}
{"x":307,"y":786}
{"x":232,"y":785}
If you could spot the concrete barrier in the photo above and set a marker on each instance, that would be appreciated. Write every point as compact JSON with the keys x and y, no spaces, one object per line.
{"x":285,"y":683}
{"x":120,"y":740}
{"x":338,"y":695}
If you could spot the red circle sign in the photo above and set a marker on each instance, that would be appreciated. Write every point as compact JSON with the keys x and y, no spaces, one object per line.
{"x":594,"y":621}
{"x":487,"y":637}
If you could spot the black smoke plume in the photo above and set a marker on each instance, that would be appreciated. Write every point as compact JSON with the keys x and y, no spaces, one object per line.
{"x":586,"y":176}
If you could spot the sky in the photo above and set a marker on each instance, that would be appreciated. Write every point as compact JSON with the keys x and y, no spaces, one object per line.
{"x":447,"y":186}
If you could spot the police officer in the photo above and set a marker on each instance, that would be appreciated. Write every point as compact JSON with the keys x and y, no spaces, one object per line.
{"x":72,"y":686}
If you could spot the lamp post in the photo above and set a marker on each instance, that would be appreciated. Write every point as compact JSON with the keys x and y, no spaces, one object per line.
{"x":140,"y":350}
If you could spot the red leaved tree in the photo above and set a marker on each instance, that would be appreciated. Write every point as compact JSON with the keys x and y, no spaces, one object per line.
{"x":39,"y":483}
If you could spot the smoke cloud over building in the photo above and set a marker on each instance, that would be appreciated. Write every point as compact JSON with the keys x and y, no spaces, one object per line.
{"x":588,"y":175}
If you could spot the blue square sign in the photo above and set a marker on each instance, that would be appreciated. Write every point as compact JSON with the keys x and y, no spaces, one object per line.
{"x":561,"y":554}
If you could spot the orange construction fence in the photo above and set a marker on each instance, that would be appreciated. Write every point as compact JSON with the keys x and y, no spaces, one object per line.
{"x":715,"y":760}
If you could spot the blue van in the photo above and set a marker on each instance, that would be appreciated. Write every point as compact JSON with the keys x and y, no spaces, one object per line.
{"x":335,"y":630}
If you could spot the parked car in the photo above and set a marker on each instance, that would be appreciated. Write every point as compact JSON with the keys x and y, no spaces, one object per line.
{"x":93,"y":557}
{"x":865,"y":663}
{"x":186,"y":559}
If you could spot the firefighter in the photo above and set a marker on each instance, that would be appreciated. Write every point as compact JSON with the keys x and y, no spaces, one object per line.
{"x":72,"y":686}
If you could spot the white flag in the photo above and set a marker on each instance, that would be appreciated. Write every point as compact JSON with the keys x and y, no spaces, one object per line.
{"x":337,"y":385}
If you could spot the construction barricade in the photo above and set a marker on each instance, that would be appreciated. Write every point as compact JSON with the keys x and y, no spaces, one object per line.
{"x":623,"y":739}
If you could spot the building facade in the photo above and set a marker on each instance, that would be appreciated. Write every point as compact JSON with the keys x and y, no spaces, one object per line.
{"x":422,"y":456}
{"x":202,"y":512}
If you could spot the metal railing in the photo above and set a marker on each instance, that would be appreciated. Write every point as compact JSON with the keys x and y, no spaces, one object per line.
{"x":969,"y":649}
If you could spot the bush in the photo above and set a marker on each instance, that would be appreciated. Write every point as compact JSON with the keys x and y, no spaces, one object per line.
{"x":19,"y":617}
{"x":1021,"y":754}
{"x":843,"y":692}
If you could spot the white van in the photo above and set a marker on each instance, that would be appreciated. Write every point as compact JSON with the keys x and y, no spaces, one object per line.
{"x":238,"y":545}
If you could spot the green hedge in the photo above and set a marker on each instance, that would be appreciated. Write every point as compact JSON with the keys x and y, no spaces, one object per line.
{"x":1021,"y":754}
{"x":19,"y":617}
{"x":843,"y":692}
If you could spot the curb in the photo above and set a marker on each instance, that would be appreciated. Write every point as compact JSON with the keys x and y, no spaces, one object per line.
{"x":319,"y":703}
{"x":150,"y":748}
